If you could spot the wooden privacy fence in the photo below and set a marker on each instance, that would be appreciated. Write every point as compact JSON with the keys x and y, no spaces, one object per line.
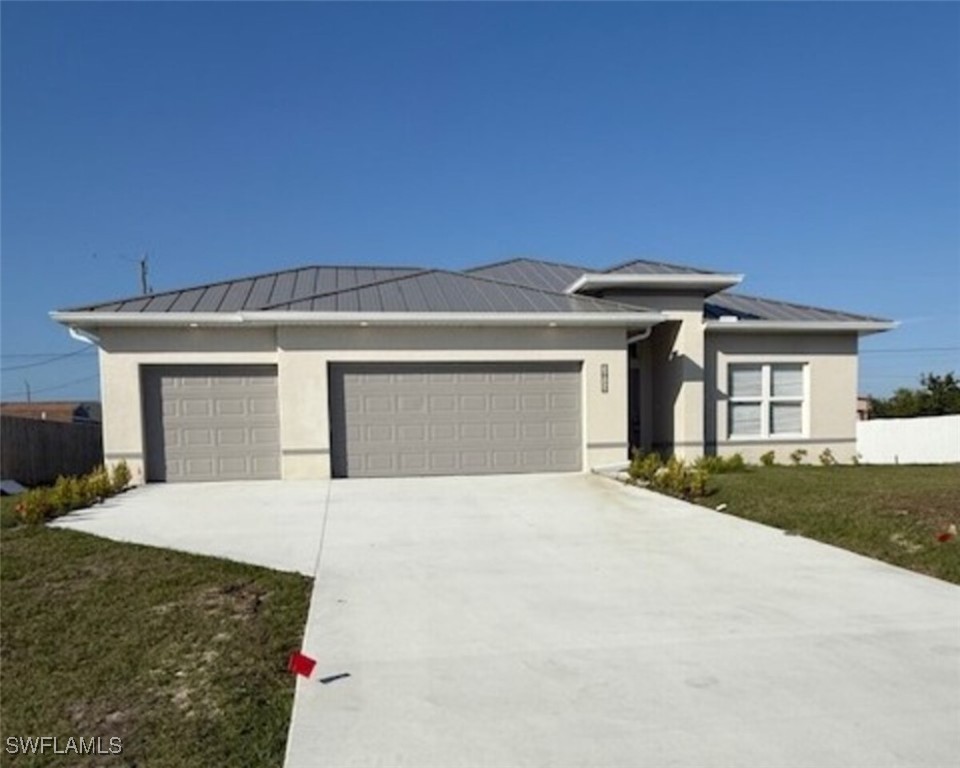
{"x":33,"y":451}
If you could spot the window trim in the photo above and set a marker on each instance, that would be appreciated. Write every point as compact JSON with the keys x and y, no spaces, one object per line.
{"x":766,"y":400}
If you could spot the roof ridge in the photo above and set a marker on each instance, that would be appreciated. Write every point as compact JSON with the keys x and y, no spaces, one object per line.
{"x":798,"y":305}
{"x":660,"y":263}
{"x":528,"y":258}
{"x":464,"y":275}
{"x":617,"y":304}
{"x":215,"y":283}
{"x":324,"y":294}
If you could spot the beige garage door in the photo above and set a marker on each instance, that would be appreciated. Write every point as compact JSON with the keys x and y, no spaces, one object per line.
{"x":391,"y":420}
{"x":211,"y":422}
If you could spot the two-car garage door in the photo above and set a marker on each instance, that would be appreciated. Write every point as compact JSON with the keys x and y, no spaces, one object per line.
{"x":386,"y":420}
{"x":392,"y":419}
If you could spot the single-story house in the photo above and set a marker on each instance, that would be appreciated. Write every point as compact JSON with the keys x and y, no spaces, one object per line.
{"x":516,"y":366}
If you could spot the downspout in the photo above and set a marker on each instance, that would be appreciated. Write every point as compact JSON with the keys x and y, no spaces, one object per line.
{"x":640,"y":336}
{"x":85,"y":336}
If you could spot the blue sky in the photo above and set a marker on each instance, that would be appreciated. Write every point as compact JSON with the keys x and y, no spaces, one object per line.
{"x":814,"y":147}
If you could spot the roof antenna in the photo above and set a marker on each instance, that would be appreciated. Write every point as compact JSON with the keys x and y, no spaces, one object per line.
{"x":144,"y":262}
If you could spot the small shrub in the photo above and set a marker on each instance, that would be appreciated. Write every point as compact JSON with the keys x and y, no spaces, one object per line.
{"x":769,"y":459}
{"x":35,"y":506}
{"x":644,"y":466}
{"x":827,"y":458}
{"x":65,"y":495}
{"x":798,"y":456}
{"x":677,"y":478}
{"x":718,"y":465}
{"x":86,"y":492}
{"x":99,"y":484}
{"x":121,"y":476}
{"x":855,"y":460}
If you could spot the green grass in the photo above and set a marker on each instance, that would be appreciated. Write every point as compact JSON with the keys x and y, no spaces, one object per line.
{"x":888,"y":513}
{"x":182,"y":657}
{"x":8,"y":518}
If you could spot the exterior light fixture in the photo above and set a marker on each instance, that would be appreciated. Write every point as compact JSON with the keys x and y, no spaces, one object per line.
{"x":604,"y":378}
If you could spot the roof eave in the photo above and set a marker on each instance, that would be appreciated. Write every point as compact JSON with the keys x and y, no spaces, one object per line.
{"x":92,"y":320}
{"x":708,"y":284}
{"x":860,"y":327}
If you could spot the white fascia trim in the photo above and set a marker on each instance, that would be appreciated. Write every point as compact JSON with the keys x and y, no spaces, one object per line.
{"x":665,"y":282}
{"x":862,"y":327}
{"x":201,"y":319}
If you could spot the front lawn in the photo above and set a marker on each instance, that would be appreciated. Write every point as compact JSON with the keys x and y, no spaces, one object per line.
{"x":181,"y":657}
{"x":889,"y":513}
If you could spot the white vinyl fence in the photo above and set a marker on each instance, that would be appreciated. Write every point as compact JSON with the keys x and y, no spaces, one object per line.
{"x":924,"y":440}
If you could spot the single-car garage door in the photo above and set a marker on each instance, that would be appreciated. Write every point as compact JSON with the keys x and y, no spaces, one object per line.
{"x":211,"y":422}
{"x":392,"y":419}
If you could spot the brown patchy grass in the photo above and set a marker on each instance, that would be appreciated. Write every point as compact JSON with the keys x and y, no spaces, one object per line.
{"x":889,"y":513}
{"x":182,"y":657}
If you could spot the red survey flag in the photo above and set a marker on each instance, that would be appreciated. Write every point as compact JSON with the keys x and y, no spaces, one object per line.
{"x":301,"y":664}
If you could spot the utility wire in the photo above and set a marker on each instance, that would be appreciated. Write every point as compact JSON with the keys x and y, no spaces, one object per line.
{"x":52,"y":389}
{"x":46,"y":362}
{"x":908,"y":350}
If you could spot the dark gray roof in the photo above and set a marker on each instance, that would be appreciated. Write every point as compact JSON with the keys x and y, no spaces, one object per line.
{"x":255,"y":292}
{"x":362,"y":289}
{"x":517,"y":285}
{"x":756,"y":308}
{"x":441,"y":291}
{"x":646,"y":267}
{"x":549,"y":275}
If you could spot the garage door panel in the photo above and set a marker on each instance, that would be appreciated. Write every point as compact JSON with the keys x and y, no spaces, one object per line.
{"x":211,"y":422}
{"x":455,"y":418}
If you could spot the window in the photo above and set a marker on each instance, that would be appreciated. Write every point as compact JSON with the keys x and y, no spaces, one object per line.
{"x":766,"y":400}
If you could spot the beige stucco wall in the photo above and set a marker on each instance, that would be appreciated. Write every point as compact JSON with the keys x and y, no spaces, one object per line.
{"x":302,"y":355}
{"x":831,"y":405}
{"x":671,"y":373}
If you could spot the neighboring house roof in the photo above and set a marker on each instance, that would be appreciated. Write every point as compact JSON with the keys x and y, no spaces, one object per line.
{"x":53,"y":410}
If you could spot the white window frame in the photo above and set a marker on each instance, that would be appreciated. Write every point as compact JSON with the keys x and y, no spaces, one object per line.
{"x":766,"y":400}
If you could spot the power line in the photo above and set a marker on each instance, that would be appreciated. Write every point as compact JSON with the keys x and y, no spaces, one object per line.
{"x":46,"y":362}
{"x":54,"y":388}
{"x":908,"y":350}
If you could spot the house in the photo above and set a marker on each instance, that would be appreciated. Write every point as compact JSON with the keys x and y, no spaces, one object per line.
{"x":516,"y":366}
{"x":53,"y":410}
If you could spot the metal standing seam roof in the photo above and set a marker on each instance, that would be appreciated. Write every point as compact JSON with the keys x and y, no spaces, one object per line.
{"x":438,"y":290}
{"x":747,"y":307}
{"x":647,"y":267}
{"x":255,"y":292}
{"x":516,"y":285}
{"x":362,"y":289}
{"x":548,"y":275}
{"x":556,"y":276}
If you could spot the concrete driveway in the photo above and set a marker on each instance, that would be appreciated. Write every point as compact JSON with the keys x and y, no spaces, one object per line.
{"x":566,"y":620}
{"x":272,"y":523}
